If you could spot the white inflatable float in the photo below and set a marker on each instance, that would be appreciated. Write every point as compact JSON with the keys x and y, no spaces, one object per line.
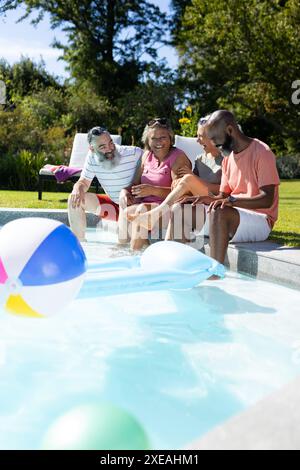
{"x":163,"y":265}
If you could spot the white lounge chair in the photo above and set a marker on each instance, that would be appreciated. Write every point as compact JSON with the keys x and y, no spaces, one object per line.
{"x":78,"y":155}
{"x":190,"y":147}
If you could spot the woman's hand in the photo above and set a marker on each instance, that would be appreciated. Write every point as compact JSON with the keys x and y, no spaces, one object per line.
{"x":126,"y":199}
{"x":142,"y":190}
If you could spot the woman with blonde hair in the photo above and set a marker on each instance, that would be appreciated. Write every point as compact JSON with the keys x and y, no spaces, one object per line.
{"x":204,"y":180}
{"x":161,"y":165}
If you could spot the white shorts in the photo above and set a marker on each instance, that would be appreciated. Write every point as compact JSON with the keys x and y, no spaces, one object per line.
{"x":253,"y":227}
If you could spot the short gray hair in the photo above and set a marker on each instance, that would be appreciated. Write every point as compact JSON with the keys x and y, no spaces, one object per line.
{"x":96,"y":132}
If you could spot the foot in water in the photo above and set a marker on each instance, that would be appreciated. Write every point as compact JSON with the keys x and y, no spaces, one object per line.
{"x":148,"y":220}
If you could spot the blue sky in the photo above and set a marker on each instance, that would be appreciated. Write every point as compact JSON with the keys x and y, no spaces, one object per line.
{"x":35,"y":42}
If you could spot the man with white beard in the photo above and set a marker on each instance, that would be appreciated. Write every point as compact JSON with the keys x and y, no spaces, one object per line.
{"x":114,"y":166}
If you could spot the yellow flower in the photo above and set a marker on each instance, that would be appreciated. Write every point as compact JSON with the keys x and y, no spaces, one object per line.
{"x":189,"y":110}
{"x":184,"y":121}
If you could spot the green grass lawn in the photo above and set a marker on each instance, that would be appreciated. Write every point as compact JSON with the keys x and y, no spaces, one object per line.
{"x":29,"y":200}
{"x":287,"y":228}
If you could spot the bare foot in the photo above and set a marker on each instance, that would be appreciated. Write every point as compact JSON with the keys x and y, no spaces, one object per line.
{"x":214,"y":278}
{"x":146,"y":220}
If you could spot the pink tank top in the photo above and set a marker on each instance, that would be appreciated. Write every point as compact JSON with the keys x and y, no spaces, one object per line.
{"x":158,"y":174}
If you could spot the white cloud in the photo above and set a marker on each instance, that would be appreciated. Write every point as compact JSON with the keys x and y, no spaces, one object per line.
{"x":11,"y":51}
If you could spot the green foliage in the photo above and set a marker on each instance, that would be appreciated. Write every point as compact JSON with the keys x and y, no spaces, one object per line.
{"x":21,"y":171}
{"x":244,"y":56}
{"x":179,"y":8}
{"x":34,"y":125}
{"x":189,"y":122}
{"x":289,"y":166}
{"x":24,"y":78}
{"x":85,"y":109}
{"x":144,"y":102}
{"x":44,"y":108}
{"x":239,"y":55}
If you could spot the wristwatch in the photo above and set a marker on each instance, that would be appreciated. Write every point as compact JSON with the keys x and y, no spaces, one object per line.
{"x":232,"y":199}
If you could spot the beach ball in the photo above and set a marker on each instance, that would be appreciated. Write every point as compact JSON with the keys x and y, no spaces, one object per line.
{"x":96,"y":427}
{"x":42,"y":267}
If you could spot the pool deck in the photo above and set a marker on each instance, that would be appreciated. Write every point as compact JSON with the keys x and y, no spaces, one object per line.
{"x":274,"y":422}
{"x":265,"y":260}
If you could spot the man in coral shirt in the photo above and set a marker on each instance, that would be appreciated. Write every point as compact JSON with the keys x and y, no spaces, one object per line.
{"x":247,"y":207}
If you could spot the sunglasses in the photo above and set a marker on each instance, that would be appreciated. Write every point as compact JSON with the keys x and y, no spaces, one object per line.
{"x":161,"y":121}
{"x":98,"y":131}
{"x":202,"y":121}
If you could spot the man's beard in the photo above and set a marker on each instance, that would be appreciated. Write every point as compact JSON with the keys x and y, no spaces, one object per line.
{"x":228,"y":145}
{"x":108,"y":161}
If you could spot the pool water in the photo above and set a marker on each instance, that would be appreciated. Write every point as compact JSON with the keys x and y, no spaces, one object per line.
{"x":181,"y":362}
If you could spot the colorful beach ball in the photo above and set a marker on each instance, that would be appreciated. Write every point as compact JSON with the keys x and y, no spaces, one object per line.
{"x":42,"y":267}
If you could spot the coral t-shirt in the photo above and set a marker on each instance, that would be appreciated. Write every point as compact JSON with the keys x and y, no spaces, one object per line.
{"x":246,"y":172}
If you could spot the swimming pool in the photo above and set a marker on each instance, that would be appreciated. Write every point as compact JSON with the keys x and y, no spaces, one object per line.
{"x":181,"y":362}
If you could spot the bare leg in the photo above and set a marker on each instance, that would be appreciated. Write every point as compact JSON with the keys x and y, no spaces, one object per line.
{"x":189,"y":184}
{"x":77,"y":217}
{"x":124,"y":226}
{"x":223,"y":224}
{"x":139,"y":234}
{"x":184,"y":219}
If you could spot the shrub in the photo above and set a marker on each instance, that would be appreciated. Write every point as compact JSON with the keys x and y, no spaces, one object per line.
{"x":289,"y":166}
{"x":20,"y":172}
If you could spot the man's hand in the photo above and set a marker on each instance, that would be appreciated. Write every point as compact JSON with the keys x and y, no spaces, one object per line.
{"x":220,"y":203}
{"x":78,"y":196}
{"x":194,"y":200}
{"x":126,"y":199}
{"x":142,"y":190}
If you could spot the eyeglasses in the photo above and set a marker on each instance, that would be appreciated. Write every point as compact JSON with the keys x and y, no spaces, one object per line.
{"x":161,"y":121}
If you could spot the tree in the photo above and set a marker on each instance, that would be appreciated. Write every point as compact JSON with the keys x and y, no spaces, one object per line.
{"x":109,"y":41}
{"x":179,"y":8}
{"x":24,"y":78}
{"x":245,"y":56}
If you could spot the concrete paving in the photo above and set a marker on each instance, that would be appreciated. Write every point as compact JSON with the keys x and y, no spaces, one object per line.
{"x":267,"y":261}
{"x":8,"y":215}
{"x":272,"y":424}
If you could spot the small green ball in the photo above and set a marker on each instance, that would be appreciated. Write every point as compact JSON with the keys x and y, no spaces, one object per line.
{"x":96,"y":427}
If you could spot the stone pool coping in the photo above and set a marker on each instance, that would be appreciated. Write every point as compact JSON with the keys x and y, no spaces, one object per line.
{"x":274,"y":422}
{"x":265,"y":260}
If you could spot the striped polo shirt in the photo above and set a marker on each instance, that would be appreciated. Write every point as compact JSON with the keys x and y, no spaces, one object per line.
{"x":117,"y":178}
